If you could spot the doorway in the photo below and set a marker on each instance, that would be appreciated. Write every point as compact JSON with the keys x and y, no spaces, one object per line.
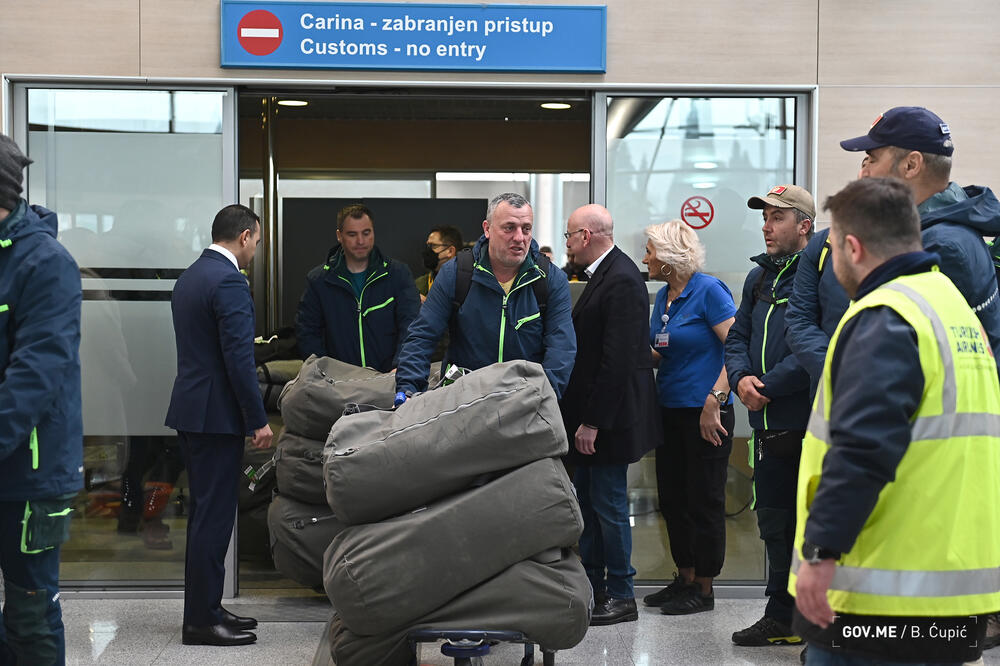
{"x":418,"y":159}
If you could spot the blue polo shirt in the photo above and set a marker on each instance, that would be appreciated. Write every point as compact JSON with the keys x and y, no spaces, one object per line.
{"x":694,"y":356}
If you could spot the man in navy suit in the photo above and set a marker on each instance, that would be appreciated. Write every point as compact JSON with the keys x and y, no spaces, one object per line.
{"x":215,"y":404}
{"x":609,"y":408}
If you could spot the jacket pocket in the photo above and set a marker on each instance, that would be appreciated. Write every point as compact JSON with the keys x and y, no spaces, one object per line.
{"x":46,"y":524}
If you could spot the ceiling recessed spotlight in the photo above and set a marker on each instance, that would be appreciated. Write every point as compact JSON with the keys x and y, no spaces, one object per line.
{"x":292,"y":102}
{"x":705,"y":165}
{"x":556,"y":106}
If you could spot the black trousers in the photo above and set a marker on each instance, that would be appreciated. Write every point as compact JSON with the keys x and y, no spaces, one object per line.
{"x":776,"y":474}
{"x":691,"y":480}
{"x":213,"y":465}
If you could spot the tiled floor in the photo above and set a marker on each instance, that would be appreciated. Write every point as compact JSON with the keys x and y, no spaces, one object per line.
{"x":138,"y":632}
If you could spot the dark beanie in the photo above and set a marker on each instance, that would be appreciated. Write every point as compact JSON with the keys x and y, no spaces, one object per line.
{"x":12,"y":163}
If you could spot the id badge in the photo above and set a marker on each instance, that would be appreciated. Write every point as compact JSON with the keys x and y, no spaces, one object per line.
{"x":662,"y":340}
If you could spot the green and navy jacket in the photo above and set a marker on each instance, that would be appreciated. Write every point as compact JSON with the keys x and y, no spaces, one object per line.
{"x":365,"y":331}
{"x":756,"y":346}
{"x":41,"y":421}
{"x":493,"y":326}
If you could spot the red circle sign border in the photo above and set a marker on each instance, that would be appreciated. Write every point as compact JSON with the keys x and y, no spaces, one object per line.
{"x":711,"y":212}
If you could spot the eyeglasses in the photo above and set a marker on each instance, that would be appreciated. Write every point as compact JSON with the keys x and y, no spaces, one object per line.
{"x":567,"y":234}
{"x":435,"y":246}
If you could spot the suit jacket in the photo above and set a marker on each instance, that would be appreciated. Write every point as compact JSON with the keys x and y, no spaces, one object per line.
{"x":612,"y":385}
{"x":216,"y":387}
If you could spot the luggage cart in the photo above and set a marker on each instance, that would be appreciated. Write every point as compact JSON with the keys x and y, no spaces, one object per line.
{"x":468,"y":647}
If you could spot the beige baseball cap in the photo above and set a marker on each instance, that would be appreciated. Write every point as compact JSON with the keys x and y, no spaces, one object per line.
{"x":786,"y":196}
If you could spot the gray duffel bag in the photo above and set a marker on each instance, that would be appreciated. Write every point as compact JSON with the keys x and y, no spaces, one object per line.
{"x":549,"y":602}
{"x":272,"y":377}
{"x":386,"y":575}
{"x":379,"y":464}
{"x":315,"y":399}
{"x":300,"y":533}
{"x":298,"y":465}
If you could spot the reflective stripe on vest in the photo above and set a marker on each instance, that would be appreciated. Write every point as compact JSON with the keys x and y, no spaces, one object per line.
{"x":890,"y":583}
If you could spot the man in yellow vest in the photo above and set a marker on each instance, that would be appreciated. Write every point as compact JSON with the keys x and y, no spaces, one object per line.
{"x":898,"y":532}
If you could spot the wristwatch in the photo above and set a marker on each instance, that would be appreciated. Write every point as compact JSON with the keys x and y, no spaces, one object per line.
{"x":814,"y":554}
{"x":721,"y":396}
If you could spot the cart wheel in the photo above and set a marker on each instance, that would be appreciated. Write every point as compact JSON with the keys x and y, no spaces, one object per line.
{"x":548,"y":657}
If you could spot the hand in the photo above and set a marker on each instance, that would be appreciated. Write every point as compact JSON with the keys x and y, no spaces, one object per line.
{"x":748,"y":391}
{"x":584,"y":440}
{"x":710,"y":421}
{"x":810,"y":591}
{"x":262,"y":437}
{"x":657,"y":358}
{"x":422,"y":299}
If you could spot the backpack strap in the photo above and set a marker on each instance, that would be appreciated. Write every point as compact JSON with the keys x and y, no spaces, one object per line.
{"x":541,"y":287}
{"x":463,"y":281}
{"x":761,"y":291}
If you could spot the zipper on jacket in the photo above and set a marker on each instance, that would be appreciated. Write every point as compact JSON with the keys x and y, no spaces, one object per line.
{"x":361,"y":333}
{"x":767,"y":319}
{"x":301,"y":523}
{"x":378,"y":307}
{"x":525,"y":320}
{"x":33,"y":445}
{"x":503,"y":307}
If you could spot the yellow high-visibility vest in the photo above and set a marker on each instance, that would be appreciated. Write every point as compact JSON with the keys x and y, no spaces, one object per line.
{"x":931,"y":546}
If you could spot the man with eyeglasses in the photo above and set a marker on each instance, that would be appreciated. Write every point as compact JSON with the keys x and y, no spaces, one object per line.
{"x":609,"y":408}
{"x":516,"y":305}
{"x":443,"y":244}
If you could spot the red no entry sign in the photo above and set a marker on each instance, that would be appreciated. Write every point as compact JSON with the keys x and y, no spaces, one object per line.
{"x":697,"y":212}
{"x":260,"y":32}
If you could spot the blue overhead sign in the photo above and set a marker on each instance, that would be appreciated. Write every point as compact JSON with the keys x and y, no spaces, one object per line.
{"x":370,"y":35}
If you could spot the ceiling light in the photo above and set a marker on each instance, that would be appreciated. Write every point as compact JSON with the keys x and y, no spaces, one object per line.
{"x":556,"y":106}
{"x":703,"y":186}
{"x":292,"y":102}
{"x":705,"y":165}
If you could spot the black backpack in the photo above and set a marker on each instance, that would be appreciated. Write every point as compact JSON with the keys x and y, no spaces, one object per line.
{"x":463,"y":282}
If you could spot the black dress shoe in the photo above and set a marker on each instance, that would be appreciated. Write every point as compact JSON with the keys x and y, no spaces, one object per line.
{"x":613,"y":611}
{"x":216,"y":634}
{"x":235,"y":621}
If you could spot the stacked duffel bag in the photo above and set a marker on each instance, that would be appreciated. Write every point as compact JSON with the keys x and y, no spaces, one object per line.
{"x":300,"y":522}
{"x":457,"y":514}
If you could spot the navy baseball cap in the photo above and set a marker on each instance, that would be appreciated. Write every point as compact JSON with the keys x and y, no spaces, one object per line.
{"x":909,"y":127}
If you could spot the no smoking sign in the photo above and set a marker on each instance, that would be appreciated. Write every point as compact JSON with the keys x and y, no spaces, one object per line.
{"x":697,"y":212}
{"x":260,"y":32}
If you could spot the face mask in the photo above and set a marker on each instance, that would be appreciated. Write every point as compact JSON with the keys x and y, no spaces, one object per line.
{"x":430,"y":258}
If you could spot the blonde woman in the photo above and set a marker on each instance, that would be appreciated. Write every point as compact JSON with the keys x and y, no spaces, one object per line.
{"x":688,"y":327}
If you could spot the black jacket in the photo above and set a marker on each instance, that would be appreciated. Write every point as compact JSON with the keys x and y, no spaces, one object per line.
{"x":612,"y":386}
{"x":756,"y":346}
{"x":815,"y":308}
{"x":327,"y":320}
